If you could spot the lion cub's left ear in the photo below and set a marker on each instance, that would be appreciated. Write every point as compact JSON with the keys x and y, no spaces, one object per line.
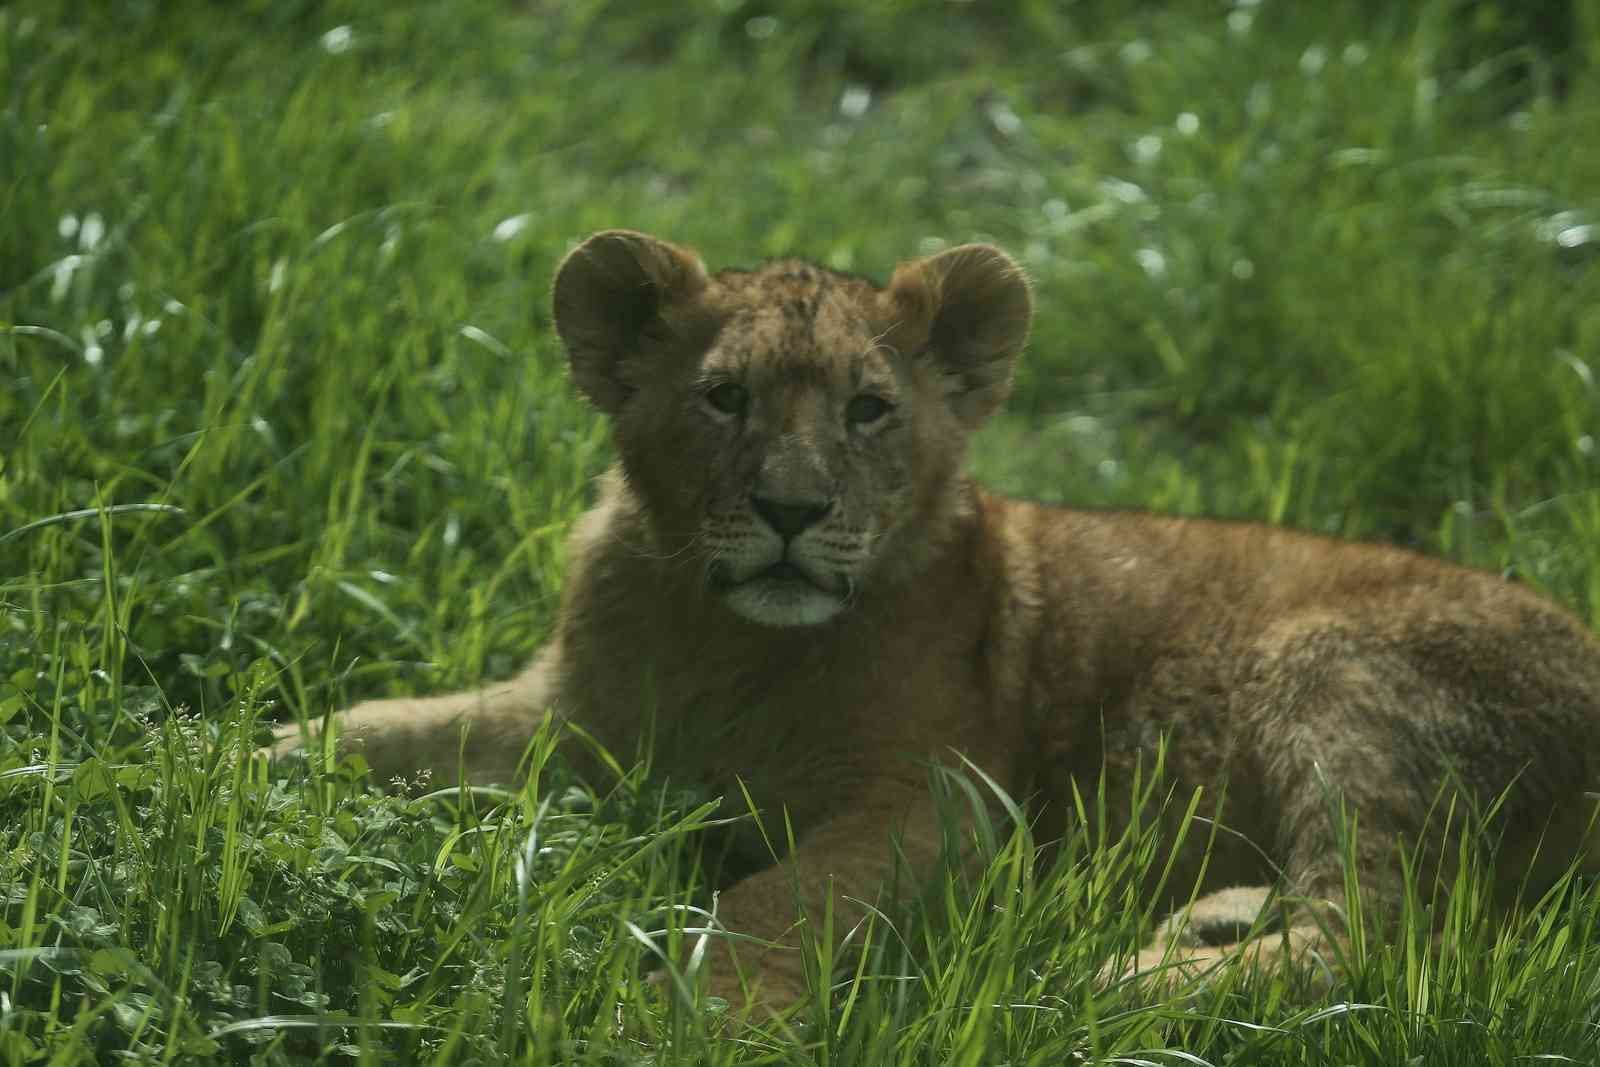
{"x":969,"y":308}
{"x":617,"y":297}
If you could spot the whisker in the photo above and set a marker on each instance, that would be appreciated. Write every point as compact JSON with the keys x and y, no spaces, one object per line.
{"x":693,"y":543}
{"x":877,"y":342}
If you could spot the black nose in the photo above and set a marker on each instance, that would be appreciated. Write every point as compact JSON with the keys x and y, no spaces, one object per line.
{"x":790,"y":517}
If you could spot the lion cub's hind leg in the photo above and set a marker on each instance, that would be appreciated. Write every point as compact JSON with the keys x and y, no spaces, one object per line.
{"x":1330,"y":719}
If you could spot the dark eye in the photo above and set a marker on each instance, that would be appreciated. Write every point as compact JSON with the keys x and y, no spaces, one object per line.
{"x":867,"y":408}
{"x":728,"y":398}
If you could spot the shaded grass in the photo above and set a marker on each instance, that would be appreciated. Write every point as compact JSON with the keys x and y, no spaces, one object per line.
{"x":283,"y":425}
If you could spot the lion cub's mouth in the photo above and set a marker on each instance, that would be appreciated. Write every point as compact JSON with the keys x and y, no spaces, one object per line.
{"x":782,"y":594}
{"x":783,"y":571}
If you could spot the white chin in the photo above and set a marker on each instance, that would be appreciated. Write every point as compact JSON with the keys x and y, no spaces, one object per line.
{"x":783,"y":603}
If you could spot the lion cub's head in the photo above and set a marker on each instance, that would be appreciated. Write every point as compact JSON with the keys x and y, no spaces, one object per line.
{"x":795,"y":432}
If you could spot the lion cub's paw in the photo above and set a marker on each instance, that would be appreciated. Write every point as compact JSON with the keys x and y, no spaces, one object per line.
{"x":288,"y":745}
{"x":1225,"y":917}
{"x":1212,"y":933}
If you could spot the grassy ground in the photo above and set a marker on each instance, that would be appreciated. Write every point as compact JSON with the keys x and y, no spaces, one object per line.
{"x":283,"y":424}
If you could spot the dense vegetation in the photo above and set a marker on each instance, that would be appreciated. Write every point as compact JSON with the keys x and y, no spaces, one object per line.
{"x":283,"y":424}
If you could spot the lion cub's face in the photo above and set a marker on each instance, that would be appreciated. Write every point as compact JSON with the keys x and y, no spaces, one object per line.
{"x":790,"y":431}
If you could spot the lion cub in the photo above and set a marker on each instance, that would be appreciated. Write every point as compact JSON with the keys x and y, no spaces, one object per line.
{"x":790,"y":577}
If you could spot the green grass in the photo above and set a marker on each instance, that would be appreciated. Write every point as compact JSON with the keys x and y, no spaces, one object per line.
{"x":283,"y":424}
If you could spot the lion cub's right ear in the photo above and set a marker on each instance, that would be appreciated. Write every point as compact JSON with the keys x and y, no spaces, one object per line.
{"x":613,"y":297}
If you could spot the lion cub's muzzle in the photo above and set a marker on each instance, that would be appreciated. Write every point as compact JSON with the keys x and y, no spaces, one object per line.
{"x":781,"y":562}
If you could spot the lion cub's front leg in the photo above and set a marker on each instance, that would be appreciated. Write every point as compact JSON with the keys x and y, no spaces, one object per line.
{"x":839,"y":871}
{"x":480,"y":733}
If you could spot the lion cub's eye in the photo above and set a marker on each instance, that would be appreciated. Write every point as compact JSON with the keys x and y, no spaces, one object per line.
{"x":866,"y":409}
{"x":728,"y":398}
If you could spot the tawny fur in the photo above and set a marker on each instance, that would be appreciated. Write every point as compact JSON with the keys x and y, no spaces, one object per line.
{"x":932,"y":617}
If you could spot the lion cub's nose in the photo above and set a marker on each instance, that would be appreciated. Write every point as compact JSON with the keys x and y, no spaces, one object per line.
{"x":788,"y":518}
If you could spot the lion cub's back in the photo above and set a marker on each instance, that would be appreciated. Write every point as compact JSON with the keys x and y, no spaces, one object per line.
{"x":1155,"y":577}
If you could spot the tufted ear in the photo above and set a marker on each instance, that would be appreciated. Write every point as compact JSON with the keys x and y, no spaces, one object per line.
{"x":969,"y":308}
{"x":614,"y":295}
